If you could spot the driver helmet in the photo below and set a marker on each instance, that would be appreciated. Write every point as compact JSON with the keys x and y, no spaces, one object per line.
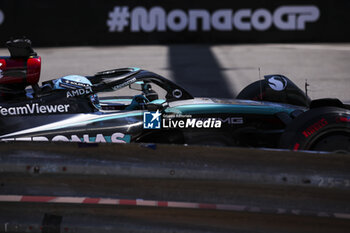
{"x":76,"y":82}
{"x":72,"y":82}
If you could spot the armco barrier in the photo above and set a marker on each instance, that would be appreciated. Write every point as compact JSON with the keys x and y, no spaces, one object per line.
{"x":62,"y":22}
{"x":168,"y":188}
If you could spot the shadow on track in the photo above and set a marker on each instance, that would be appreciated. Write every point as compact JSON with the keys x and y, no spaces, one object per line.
{"x":196,"y":69}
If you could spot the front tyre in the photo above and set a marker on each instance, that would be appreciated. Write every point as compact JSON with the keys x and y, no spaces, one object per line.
{"x":319,"y":129}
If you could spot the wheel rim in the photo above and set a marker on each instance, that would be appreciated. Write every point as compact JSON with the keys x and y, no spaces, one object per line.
{"x":338,"y":142}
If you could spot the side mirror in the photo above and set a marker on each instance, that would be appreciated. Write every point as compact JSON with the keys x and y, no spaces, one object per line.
{"x":154,"y":107}
{"x":136,"y":86}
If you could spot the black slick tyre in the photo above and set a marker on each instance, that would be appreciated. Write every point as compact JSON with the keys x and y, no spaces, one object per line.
{"x":319,"y":129}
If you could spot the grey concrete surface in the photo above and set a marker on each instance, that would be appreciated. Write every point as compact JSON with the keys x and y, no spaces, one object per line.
{"x":213,"y":70}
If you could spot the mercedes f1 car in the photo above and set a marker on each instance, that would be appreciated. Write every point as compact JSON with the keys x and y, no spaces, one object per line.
{"x":271,"y":113}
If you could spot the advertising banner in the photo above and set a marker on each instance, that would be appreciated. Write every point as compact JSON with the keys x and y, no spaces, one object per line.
{"x":174,"y":21}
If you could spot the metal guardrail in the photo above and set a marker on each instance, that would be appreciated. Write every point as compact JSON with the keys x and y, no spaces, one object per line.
{"x":57,"y":187}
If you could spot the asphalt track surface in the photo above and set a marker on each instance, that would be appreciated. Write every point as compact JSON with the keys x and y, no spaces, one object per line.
{"x":160,"y":220}
{"x":213,"y":70}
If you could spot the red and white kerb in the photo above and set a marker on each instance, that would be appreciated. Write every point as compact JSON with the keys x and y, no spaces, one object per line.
{"x":152,"y":203}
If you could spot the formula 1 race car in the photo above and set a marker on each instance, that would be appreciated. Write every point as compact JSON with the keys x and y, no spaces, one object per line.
{"x":270,"y":113}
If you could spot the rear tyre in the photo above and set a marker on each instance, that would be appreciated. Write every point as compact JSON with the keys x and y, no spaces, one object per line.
{"x":319,"y":129}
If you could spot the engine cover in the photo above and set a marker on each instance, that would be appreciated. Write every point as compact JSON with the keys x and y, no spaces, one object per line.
{"x":275,"y":88}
